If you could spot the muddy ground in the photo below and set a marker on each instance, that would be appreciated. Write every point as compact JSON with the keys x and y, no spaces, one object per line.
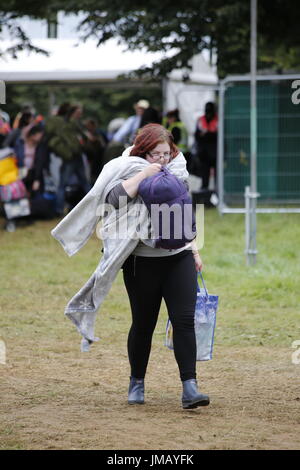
{"x":54,"y":398}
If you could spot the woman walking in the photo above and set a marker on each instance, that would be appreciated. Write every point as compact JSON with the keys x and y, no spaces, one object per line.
{"x":150,"y":273}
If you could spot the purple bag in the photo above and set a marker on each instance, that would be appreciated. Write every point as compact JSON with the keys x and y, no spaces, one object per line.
{"x":171,"y":209}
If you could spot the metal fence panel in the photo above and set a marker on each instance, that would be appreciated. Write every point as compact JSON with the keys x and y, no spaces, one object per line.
{"x":278,"y":146}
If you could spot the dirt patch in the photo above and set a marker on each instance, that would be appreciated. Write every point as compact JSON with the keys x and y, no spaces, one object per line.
{"x":68,"y":400}
{"x":55,"y":397}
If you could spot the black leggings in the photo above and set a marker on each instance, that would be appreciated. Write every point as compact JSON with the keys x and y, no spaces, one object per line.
{"x":148,"y":280}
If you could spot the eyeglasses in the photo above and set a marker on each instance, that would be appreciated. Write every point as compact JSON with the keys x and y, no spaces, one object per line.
{"x":158,"y":155}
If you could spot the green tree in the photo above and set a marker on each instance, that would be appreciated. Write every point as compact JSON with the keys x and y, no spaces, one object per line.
{"x":178,"y":29}
{"x":100,"y":103}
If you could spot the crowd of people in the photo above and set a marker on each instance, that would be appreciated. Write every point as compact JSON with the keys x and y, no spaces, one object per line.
{"x":60,"y":157}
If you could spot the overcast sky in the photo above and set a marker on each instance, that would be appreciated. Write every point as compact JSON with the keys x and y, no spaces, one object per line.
{"x":37,"y":29}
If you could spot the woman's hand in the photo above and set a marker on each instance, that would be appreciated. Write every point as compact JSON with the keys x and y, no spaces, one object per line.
{"x":131,"y":185}
{"x":152,"y":169}
{"x":198,"y":261}
{"x":197,"y":258}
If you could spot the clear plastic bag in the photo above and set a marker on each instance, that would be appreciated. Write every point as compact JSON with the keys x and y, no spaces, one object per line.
{"x":205,"y":322}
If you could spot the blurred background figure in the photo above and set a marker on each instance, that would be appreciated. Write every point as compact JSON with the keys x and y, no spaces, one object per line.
{"x":5,"y":128}
{"x":113,"y":126}
{"x":25,"y":109}
{"x":49,"y":155}
{"x":24,"y":120}
{"x":150,"y":116}
{"x":25,"y":149}
{"x":74,"y":168}
{"x":126,"y":134}
{"x":173,"y":123}
{"x":94,"y":147}
{"x":55,"y":122}
{"x":39,"y":119}
{"x":113,"y":149}
{"x":206,"y":143}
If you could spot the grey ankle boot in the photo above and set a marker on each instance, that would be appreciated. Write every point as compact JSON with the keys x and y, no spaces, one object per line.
{"x":136,"y":391}
{"x":191,"y":397}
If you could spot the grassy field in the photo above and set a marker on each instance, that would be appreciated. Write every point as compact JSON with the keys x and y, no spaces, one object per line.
{"x":55,"y":397}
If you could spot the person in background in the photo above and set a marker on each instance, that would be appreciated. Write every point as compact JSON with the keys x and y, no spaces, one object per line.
{"x":50,"y":149}
{"x":26,"y":109}
{"x":150,"y":116}
{"x":173,"y":123}
{"x":113,"y":149}
{"x":5,"y":128}
{"x":5,"y":116}
{"x":206,"y":143}
{"x":24,"y":121}
{"x":54,"y":131}
{"x":46,"y":173}
{"x":113,"y":126}
{"x":94,"y":148}
{"x":72,"y":139}
{"x":126,"y":134}
{"x":39,"y":119}
{"x":25,"y":149}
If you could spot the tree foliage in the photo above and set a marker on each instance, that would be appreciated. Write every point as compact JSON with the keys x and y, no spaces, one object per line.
{"x":98,"y":102}
{"x":179,"y":29}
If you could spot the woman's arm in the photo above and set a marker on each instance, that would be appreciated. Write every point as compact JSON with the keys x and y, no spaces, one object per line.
{"x":132,"y":184}
{"x":197,"y":258}
{"x":127,"y":189}
{"x":117,"y":196}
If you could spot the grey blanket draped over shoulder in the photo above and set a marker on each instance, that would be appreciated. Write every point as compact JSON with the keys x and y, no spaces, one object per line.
{"x":121,"y":231}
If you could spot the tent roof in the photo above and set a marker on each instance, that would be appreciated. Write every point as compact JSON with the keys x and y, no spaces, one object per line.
{"x":68,"y":62}
{"x":84,"y":62}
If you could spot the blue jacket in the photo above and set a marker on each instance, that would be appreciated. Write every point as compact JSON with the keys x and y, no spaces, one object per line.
{"x":20,"y":151}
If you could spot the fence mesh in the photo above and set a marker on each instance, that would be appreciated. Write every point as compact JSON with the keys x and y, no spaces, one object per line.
{"x":278,"y":145}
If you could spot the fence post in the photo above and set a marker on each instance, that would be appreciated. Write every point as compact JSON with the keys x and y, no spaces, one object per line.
{"x":220,"y":156}
{"x":253,"y":136}
{"x":250,"y":226}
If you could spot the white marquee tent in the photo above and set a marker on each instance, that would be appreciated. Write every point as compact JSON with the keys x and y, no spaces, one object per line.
{"x":85,"y":63}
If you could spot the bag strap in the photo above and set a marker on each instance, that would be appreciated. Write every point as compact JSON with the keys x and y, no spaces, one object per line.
{"x":198,"y":288}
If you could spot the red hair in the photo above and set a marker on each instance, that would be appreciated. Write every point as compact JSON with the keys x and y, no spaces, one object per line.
{"x":148,"y":137}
